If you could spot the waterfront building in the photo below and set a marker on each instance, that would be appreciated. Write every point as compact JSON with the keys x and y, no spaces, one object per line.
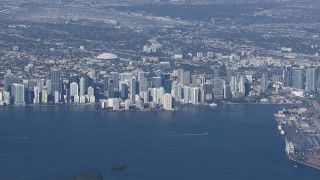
{"x":8,"y":80}
{"x":74,"y":89}
{"x":18,"y":93}
{"x":167,"y":102}
{"x":194,"y":96}
{"x":227,"y":91}
{"x":57,"y":97}
{"x":44,"y":96}
{"x":218,"y":85}
{"x":55,"y":81}
{"x":186,"y":94}
{"x":132,"y":89}
{"x":36,"y":91}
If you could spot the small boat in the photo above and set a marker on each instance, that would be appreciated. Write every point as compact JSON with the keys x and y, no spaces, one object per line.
{"x":118,"y":167}
{"x":213,"y":104}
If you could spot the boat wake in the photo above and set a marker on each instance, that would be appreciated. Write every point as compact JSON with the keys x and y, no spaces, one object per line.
{"x":177,"y":135}
{"x":14,"y":137}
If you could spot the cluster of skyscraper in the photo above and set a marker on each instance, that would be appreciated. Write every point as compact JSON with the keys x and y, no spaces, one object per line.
{"x":140,"y":90}
{"x":125,"y":90}
{"x":302,"y":79}
{"x":41,"y":91}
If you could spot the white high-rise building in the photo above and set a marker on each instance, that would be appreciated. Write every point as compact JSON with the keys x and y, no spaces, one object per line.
{"x":6,"y":97}
{"x":57,"y":97}
{"x":132,"y":89}
{"x":82,"y":86}
{"x":194,"y":95}
{"x":154,"y":94}
{"x":90,"y":91}
{"x":1,"y":99}
{"x":36,"y":91}
{"x":18,"y":93}
{"x":74,"y":89}
{"x":186,"y":94}
{"x":160,"y":92}
{"x":44,"y":96}
{"x":167,"y":102}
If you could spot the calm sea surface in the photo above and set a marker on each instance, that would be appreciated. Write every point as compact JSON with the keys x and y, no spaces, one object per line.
{"x":229,"y":142}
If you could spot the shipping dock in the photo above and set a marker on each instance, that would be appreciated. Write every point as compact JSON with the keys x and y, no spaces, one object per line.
{"x":300,"y":128}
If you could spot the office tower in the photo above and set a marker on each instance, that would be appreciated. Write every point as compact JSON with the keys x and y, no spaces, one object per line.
{"x":241,"y":84}
{"x":230,"y":73}
{"x":234,"y":86}
{"x":143,"y":85}
{"x":227,"y":91}
{"x":154,"y":94}
{"x":167,"y":102}
{"x":311,"y":79}
{"x":146,"y":96}
{"x":90,"y":91}
{"x":67,"y":96}
{"x":287,"y":76}
{"x":115,"y":77}
{"x":218,"y":85}
{"x":40,"y":83}
{"x":73,"y":78}
{"x":194,"y":96}
{"x":247,"y":86}
{"x":132,"y":89}
{"x":111,"y":93}
{"x":36,"y":91}
{"x":167,"y":85}
{"x":160,"y":92}
{"x":165,"y":76}
{"x":8,"y":80}
{"x":186,"y":78}
{"x":186,"y":94}
{"x":124,"y":90}
{"x":18,"y":94}
{"x":48,"y":86}
{"x":180,"y":76}
{"x":32,"y":83}
{"x":74,"y":89}
{"x":55,"y":81}
{"x":105,"y":84}
{"x":264,"y":81}
{"x":297,"y":78}
{"x":156,"y":82}
{"x":180,"y":92}
{"x":82,"y":86}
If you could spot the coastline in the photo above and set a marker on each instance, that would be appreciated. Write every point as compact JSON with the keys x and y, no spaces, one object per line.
{"x":301,"y":162}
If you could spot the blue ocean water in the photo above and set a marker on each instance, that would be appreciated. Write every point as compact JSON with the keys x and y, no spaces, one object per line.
{"x":232,"y":142}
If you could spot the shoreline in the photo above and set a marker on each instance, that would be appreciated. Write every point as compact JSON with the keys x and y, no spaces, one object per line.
{"x":301,"y":162}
